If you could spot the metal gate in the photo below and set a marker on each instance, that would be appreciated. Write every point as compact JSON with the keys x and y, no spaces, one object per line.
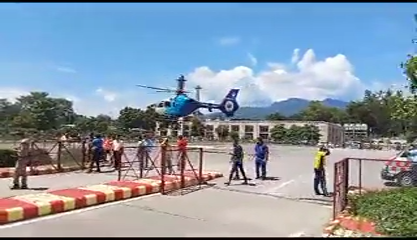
{"x":341,"y":184}
{"x":179,"y":167}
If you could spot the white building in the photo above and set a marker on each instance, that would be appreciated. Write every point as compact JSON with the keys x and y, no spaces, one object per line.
{"x":251,"y":129}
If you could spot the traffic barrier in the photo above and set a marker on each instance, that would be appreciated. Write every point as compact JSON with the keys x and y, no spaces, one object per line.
{"x":29,"y":206}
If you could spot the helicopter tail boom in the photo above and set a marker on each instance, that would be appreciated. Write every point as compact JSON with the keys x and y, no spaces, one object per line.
{"x":229,"y":104}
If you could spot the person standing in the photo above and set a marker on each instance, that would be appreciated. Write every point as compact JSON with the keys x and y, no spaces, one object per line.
{"x":23,"y":160}
{"x":108,"y":147}
{"x":168,"y":156}
{"x":237,"y":163}
{"x":97,"y":152}
{"x":145,"y":147}
{"x":319,"y":171}
{"x":261,"y":158}
{"x":182,"y":145}
{"x":118,"y":148}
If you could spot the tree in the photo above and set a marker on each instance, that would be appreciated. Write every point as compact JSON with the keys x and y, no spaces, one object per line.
{"x":197,"y":127}
{"x":410,"y":72}
{"x":311,"y":134}
{"x":276,"y":117}
{"x":222,"y":131}
{"x":316,"y":111}
{"x":234,"y":136}
{"x":279,"y":133}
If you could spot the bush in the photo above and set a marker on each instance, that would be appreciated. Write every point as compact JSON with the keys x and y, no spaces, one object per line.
{"x":8,"y":158}
{"x":394,"y":211}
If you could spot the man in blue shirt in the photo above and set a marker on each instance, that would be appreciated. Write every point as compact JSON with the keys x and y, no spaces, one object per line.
{"x":97,"y":152}
{"x":261,"y":158}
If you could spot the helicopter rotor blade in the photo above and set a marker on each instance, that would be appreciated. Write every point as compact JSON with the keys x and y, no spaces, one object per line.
{"x":166,"y":91}
{"x":155,"y":88}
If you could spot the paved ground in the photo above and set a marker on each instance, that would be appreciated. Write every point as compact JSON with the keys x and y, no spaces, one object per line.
{"x":282,"y":207}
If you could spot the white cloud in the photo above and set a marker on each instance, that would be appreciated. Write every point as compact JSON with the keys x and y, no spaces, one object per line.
{"x":295,"y":56}
{"x":66,"y":69}
{"x":108,"y":96}
{"x":252,"y":59}
{"x":228,"y":41}
{"x":12,"y":93}
{"x":307,"y":78}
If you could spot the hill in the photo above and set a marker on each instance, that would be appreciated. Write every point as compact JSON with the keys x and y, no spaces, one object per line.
{"x":286,"y":107}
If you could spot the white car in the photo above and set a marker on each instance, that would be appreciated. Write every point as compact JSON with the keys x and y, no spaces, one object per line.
{"x":399,"y":169}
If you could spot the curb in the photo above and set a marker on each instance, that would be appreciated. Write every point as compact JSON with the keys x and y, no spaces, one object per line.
{"x":9,"y":172}
{"x":29,"y":206}
{"x":346,"y":225}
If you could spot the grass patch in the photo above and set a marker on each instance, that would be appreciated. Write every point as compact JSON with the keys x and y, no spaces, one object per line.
{"x":394,"y":211}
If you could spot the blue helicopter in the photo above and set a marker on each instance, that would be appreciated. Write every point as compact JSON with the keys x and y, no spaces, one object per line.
{"x":182,"y":106}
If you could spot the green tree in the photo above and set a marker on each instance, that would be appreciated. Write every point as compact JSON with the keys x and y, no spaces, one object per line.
{"x":316,"y":111}
{"x":234,"y":135}
{"x":222,"y":131}
{"x":311,"y":134}
{"x":197,"y":127}
{"x":410,"y":72}
{"x":294,"y":134}
{"x":276,"y":117}
{"x":279,"y":133}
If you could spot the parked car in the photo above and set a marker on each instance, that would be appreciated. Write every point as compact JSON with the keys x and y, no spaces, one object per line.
{"x":399,"y":169}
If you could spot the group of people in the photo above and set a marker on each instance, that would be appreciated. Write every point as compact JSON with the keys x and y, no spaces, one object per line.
{"x":101,"y":148}
{"x":261,"y":159}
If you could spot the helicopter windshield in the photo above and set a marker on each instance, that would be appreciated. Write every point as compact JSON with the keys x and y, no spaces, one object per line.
{"x":167,"y":104}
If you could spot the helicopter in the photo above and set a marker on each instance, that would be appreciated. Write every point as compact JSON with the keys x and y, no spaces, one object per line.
{"x":182,"y":105}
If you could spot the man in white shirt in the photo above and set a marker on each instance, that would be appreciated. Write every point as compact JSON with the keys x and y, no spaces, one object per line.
{"x":118,"y":148}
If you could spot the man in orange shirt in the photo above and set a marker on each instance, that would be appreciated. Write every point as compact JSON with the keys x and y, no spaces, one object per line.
{"x":107,"y":145}
{"x":182,"y":150}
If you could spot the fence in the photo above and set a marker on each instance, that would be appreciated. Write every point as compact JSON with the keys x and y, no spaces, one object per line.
{"x":370,"y":174}
{"x":60,"y":155}
{"x":164,"y":163}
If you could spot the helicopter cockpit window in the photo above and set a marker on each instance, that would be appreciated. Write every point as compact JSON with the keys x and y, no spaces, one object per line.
{"x":167,"y":104}
{"x":161,"y":104}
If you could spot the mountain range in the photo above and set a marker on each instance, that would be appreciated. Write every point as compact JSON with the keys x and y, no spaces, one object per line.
{"x":286,"y":107}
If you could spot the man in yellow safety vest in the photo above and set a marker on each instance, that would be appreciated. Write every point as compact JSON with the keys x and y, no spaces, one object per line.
{"x":319,"y":171}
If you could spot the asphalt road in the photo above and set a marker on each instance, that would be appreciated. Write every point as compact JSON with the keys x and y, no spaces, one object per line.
{"x":282,"y":207}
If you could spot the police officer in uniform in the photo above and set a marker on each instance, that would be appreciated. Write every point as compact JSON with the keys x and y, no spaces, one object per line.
{"x":20,"y":173}
{"x":319,"y":171}
{"x":237,"y":163}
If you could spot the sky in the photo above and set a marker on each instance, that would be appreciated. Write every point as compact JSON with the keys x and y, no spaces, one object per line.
{"x":95,"y":53}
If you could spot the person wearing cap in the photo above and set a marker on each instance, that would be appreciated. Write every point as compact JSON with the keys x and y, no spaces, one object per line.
{"x":168,"y":155}
{"x":261,"y":158}
{"x":319,"y":171}
{"x":23,"y":160}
